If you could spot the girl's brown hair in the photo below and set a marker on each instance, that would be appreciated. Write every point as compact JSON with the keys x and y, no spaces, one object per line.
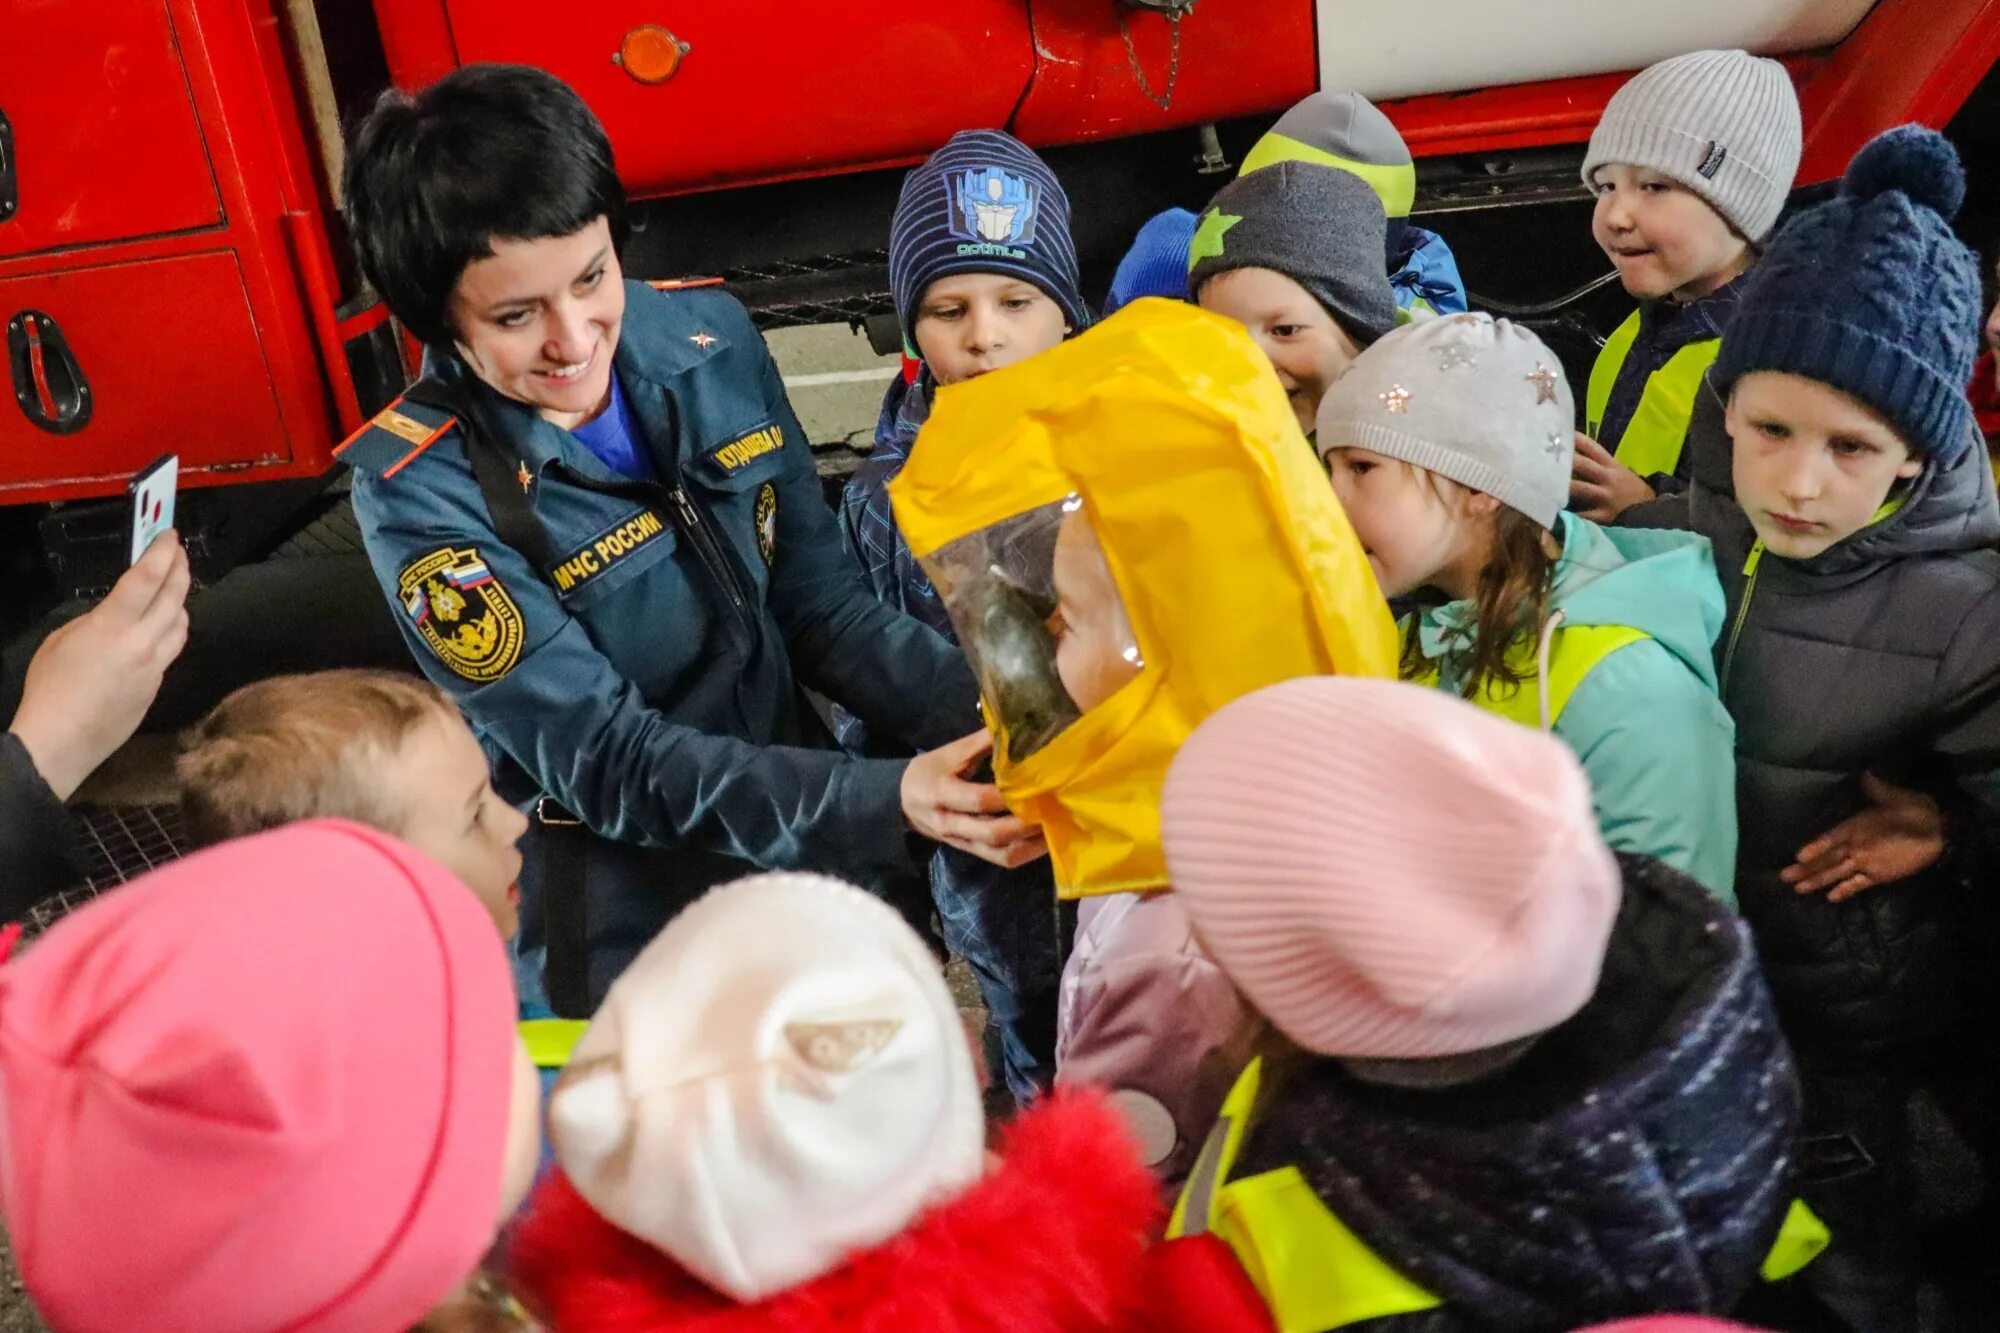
{"x":1510,"y":601}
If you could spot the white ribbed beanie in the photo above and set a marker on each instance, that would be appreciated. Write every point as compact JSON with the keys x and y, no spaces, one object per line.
{"x":1723,"y":123}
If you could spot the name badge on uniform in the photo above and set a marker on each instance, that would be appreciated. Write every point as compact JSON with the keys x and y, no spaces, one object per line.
{"x":744,"y":450}
{"x":606,"y":550}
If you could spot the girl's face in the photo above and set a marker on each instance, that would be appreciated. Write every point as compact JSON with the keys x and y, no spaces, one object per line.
{"x":1307,"y":348}
{"x":1418,"y":530}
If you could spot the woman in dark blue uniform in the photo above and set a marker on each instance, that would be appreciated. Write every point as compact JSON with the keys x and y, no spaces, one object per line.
{"x":600,"y":527}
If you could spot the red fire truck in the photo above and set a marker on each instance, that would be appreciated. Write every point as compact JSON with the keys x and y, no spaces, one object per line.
{"x":174,"y":273}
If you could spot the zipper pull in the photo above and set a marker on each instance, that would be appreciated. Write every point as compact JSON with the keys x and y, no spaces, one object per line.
{"x":1756,"y":554}
{"x":684,"y":505}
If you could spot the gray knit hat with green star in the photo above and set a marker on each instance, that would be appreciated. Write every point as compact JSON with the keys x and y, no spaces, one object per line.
{"x":1472,"y":398}
{"x":1319,"y":226}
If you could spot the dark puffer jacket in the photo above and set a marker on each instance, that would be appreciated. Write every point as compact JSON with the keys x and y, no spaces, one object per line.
{"x":1636,"y":1160}
{"x":1881,"y":655}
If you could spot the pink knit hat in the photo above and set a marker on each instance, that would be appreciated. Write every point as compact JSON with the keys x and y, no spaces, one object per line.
{"x":1671,"y":1323}
{"x":1386,"y":871}
{"x":266,"y":1087}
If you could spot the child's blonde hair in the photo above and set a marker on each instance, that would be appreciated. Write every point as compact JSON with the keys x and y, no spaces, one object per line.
{"x":301,"y":747}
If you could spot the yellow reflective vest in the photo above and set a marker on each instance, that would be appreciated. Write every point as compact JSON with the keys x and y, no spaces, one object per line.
{"x":1314,"y":1273}
{"x":1653,"y":439}
{"x":1546,"y":688}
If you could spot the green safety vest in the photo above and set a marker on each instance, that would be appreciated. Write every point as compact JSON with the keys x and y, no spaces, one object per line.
{"x":1653,"y":438}
{"x":550,"y":1040}
{"x":1573,"y":655}
{"x":1314,"y":1273}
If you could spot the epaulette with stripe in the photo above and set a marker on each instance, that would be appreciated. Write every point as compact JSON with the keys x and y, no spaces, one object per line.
{"x":394,"y":437}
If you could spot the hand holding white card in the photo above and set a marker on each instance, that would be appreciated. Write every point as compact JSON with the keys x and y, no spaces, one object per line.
{"x":153,"y":503}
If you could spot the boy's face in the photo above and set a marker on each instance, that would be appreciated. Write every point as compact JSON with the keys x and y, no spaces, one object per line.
{"x":970,"y":323}
{"x":453,"y":815}
{"x":1663,"y":237}
{"x":1307,"y":348}
{"x":1410,"y":535}
{"x":539,"y":321}
{"x":1813,"y":466}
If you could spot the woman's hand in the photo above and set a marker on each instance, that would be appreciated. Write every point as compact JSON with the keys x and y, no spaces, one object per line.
{"x":942,"y":806}
{"x":91,"y":682}
{"x":1900,"y":833}
{"x":1601,"y":488}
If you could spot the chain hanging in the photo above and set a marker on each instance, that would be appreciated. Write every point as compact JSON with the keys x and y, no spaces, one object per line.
{"x":1174,"y":14}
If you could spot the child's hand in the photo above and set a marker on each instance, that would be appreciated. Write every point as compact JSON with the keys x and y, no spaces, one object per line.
{"x":942,"y":806}
{"x":1601,"y":488}
{"x":1899,"y":834}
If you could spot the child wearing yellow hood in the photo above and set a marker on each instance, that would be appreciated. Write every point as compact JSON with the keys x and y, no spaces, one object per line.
{"x":1125,"y":548}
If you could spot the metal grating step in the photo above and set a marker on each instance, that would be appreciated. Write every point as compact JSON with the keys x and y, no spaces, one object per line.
{"x":120,"y":843}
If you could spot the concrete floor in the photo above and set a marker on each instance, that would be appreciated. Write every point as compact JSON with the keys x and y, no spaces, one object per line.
{"x":834,"y":379}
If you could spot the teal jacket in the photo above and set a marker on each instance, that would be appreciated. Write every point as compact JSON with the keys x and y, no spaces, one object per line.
{"x":1647,"y":723}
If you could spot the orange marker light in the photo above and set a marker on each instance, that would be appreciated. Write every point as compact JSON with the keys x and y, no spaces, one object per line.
{"x":650,"y":54}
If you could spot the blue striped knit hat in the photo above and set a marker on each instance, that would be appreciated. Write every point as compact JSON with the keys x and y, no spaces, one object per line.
{"x":1873,"y":294}
{"x":983,"y":203}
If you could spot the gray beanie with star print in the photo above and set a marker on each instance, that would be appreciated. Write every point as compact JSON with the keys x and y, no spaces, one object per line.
{"x":1472,"y":398}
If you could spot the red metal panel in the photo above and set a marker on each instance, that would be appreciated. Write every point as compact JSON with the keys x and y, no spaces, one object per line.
{"x":188,"y":376}
{"x":1237,"y":58}
{"x":416,"y":41}
{"x":105,"y":137}
{"x":1911,"y":60}
{"x":770,"y":87}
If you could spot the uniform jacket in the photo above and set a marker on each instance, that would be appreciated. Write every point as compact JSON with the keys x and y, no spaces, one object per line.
{"x":1880,"y":655}
{"x":1636,"y":1159}
{"x":648,"y":680}
{"x":1052,"y":1240}
{"x":1646,"y":723}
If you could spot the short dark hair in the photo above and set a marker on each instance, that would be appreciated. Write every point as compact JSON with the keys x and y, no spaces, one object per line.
{"x":486,"y":151}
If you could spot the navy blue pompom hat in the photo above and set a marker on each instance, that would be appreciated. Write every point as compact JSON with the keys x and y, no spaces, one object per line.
{"x":1873,"y":294}
{"x":983,"y":203}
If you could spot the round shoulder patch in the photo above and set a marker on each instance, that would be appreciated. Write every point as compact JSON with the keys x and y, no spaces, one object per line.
{"x":463,"y":613}
{"x":767,"y":521}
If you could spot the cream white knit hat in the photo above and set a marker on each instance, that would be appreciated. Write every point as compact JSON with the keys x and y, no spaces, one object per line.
{"x":780,"y":1078}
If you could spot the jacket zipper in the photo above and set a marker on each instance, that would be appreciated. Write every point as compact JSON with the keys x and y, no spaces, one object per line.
{"x":1742,"y":611}
{"x":711,"y":554}
{"x":688,"y":520}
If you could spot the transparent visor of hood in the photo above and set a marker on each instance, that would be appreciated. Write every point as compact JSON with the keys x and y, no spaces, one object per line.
{"x":1041,"y":620}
